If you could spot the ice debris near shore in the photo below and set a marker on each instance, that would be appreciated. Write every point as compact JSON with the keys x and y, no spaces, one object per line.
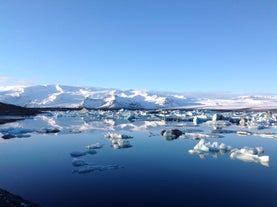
{"x":78,"y":121}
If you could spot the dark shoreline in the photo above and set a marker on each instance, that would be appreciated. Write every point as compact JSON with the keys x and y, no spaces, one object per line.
{"x":8,"y":199}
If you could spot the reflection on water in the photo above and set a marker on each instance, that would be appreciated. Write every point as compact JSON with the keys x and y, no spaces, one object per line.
{"x":151,"y":158}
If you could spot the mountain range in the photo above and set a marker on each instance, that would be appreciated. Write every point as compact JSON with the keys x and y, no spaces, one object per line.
{"x":59,"y":96}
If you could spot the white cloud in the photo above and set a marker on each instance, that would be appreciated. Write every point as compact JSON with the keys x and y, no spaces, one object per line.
{"x":8,"y":81}
{"x":4,"y":79}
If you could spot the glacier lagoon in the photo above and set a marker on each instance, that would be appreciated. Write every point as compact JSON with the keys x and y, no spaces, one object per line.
{"x":120,"y":158}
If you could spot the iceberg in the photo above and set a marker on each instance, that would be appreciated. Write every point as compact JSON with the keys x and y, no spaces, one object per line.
{"x":119,"y":140}
{"x":250,"y":155}
{"x":171,"y":134}
{"x":202,"y":149}
{"x":117,"y":136}
{"x":119,"y":143}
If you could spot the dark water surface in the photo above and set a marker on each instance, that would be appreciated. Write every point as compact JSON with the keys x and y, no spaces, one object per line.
{"x":153,"y":172}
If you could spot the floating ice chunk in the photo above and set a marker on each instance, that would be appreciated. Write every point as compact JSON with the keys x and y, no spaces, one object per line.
{"x":199,"y":119}
{"x":202,"y":148}
{"x":119,"y":143}
{"x":8,"y":136}
{"x":243,"y":121}
{"x":117,"y":136}
{"x":171,"y":134}
{"x":78,"y":154}
{"x":78,"y":162}
{"x":217,"y":117}
{"x":223,"y":147}
{"x":266,"y":135}
{"x":91,"y":168}
{"x":17,"y":132}
{"x":250,"y":150}
{"x":250,"y":155}
{"x":94,"y":146}
{"x":243,"y":133}
{"x":124,"y":143}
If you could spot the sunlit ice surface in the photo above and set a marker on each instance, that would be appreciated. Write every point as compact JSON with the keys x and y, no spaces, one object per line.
{"x":142,"y":158}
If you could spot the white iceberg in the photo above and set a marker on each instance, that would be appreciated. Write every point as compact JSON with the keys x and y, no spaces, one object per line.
{"x":250,"y":155}
{"x":202,"y":148}
{"x":119,"y":143}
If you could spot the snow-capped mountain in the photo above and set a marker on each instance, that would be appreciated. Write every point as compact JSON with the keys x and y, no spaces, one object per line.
{"x":41,"y":96}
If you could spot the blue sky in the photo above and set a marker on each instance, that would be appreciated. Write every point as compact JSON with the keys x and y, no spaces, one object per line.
{"x":167,"y":45}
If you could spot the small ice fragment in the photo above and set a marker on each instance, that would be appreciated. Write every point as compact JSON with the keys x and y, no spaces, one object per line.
{"x":77,"y":154}
{"x":243,"y":133}
{"x":217,"y":117}
{"x":224,"y":147}
{"x":94,"y":146}
{"x":78,"y":162}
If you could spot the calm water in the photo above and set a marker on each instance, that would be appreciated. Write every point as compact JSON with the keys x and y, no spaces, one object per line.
{"x":153,"y":172}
